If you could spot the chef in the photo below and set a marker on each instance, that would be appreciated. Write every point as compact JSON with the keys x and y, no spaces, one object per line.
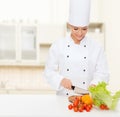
{"x":76,"y":59}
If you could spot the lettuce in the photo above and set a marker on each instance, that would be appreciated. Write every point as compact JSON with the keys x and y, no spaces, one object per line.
{"x":101,"y":95}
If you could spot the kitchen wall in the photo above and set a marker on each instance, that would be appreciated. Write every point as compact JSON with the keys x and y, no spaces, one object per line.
{"x":111,"y":18}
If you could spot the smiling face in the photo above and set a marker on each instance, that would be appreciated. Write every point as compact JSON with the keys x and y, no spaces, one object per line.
{"x":78,"y":33}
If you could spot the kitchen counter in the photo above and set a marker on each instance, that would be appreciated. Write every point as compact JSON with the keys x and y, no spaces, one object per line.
{"x":47,"y":105}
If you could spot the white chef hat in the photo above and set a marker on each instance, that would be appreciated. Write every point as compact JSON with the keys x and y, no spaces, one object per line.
{"x":79,"y":12}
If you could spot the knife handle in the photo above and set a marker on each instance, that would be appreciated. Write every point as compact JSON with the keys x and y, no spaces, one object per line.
{"x":72,"y":87}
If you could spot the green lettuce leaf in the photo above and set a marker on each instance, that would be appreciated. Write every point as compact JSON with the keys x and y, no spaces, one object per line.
{"x":101,"y":95}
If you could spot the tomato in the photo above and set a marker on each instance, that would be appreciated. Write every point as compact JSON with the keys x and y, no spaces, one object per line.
{"x":80,"y":109}
{"x":79,"y":106}
{"x":102,"y":106}
{"x":106,"y":108}
{"x":84,"y":105}
{"x":75,"y":109}
{"x":70,"y":106}
{"x":87,"y":109}
{"x":76,"y":102}
{"x":90,"y":106}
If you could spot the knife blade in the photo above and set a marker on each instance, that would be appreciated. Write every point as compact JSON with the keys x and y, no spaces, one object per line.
{"x":79,"y":90}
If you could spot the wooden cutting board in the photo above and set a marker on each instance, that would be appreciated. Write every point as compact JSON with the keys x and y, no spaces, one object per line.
{"x":72,"y":98}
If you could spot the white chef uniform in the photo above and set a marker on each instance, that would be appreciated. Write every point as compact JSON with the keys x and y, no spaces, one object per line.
{"x":83,"y":63}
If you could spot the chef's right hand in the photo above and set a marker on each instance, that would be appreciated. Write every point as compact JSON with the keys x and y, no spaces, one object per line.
{"x":66,"y":83}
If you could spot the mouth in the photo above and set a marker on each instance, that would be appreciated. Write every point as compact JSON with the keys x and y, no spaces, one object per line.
{"x":79,"y":37}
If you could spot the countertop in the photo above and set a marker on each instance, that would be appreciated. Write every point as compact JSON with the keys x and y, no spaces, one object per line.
{"x":46,"y":105}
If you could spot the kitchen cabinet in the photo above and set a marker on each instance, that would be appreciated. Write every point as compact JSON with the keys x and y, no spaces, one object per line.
{"x":7,"y":42}
{"x":25,"y":43}
{"x":44,"y":105}
{"x":18,"y":43}
{"x":49,"y":33}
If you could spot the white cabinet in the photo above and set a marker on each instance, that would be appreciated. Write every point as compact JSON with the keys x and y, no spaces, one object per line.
{"x":48,"y":33}
{"x":28,"y":42}
{"x":7,"y":42}
{"x":18,"y":44}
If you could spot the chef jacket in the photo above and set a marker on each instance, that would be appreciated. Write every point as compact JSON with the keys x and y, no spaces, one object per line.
{"x":83,"y":64}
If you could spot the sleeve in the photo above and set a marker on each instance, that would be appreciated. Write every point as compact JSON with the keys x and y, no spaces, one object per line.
{"x":101,"y":72}
{"x":51,"y":73}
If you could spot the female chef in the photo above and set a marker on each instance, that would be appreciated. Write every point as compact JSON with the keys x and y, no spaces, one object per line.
{"x":76,"y":59}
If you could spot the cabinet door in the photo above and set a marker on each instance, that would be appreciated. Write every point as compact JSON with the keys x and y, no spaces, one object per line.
{"x":28,"y":43}
{"x":7,"y":42}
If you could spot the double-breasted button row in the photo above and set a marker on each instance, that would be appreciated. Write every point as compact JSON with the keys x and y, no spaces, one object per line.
{"x":69,"y":45}
{"x":84,"y":58}
{"x":84,"y":70}
{"x":69,"y":56}
{"x":67,"y":69}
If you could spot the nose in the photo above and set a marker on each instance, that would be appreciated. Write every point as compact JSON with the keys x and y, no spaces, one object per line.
{"x":79,"y":30}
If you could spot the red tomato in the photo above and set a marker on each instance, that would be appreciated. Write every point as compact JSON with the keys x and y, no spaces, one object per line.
{"x":102,"y":107}
{"x":70,"y":106}
{"x":90,"y":106}
{"x":75,"y":109}
{"x":76,"y":102}
{"x":84,"y":105}
{"x":87,"y":109}
{"x":80,"y":109}
{"x":106,"y":108}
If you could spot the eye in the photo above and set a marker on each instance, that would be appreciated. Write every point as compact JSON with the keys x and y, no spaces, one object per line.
{"x":75,"y":28}
{"x":84,"y":28}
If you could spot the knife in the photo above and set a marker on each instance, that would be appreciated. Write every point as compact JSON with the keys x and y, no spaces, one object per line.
{"x":79,"y":90}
